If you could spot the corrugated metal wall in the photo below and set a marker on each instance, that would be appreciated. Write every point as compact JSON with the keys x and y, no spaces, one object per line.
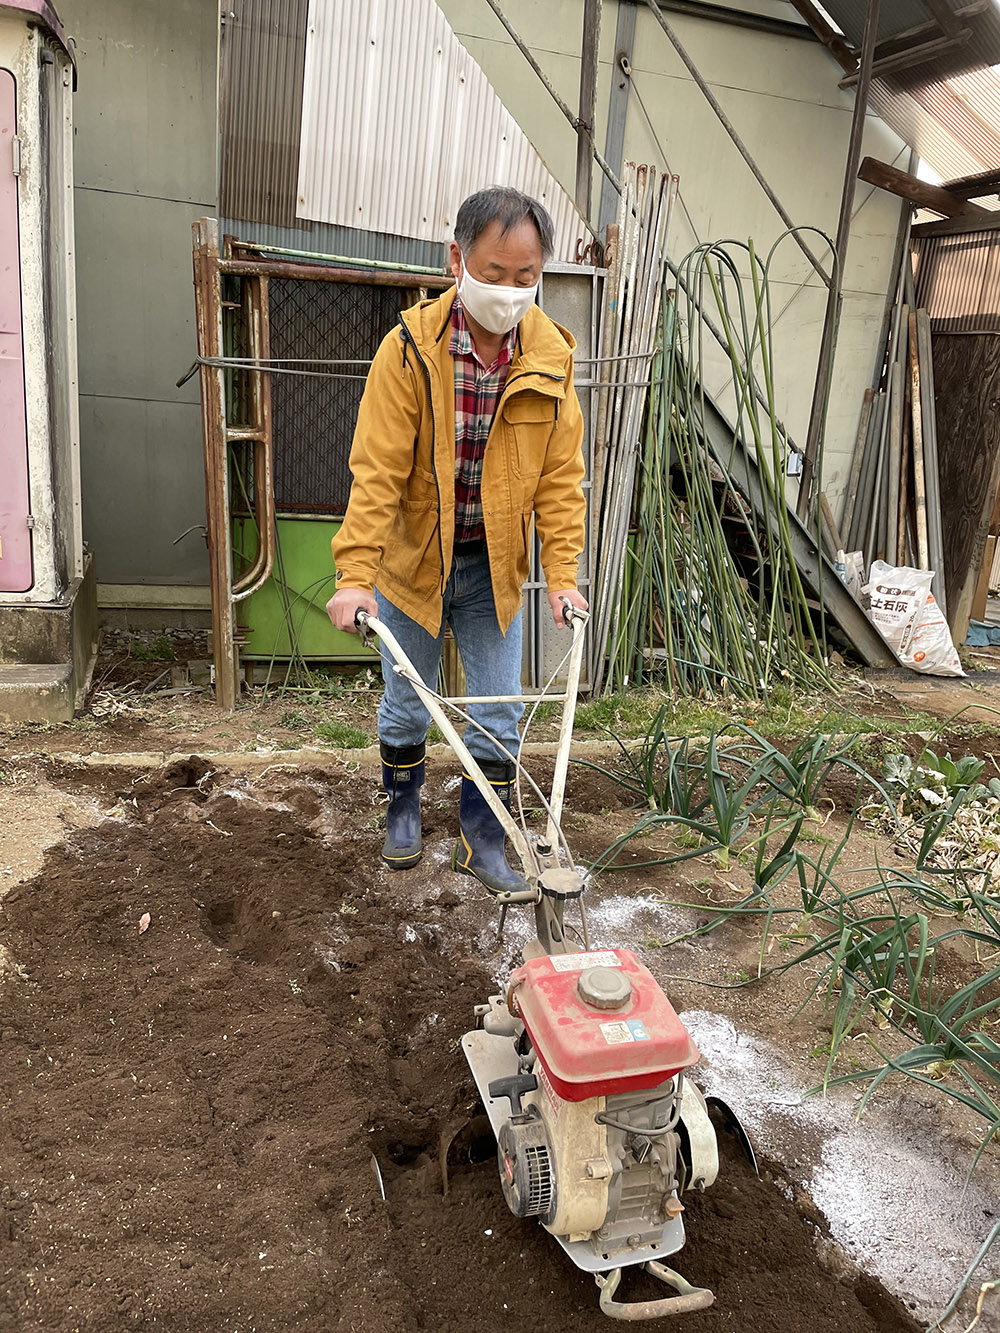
{"x":262,"y":56}
{"x":958,"y":281}
{"x":399,"y":125}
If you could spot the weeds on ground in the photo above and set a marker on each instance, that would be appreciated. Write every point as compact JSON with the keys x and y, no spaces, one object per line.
{"x":544,"y":713}
{"x":293,"y":720}
{"x":160,"y":649}
{"x":343,"y":734}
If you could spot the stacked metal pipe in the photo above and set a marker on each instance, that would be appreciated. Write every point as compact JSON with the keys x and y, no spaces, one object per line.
{"x":633,"y":292}
{"x":893,"y":506}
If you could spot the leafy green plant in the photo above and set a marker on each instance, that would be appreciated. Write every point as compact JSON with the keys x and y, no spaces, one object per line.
{"x":932,"y":781}
{"x":717,"y":791}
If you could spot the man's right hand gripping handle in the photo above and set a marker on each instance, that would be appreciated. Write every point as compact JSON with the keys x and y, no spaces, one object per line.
{"x":344,"y":605}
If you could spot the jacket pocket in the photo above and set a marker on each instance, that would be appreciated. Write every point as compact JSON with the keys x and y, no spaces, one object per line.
{"x":421,"y":488}
{"x":530,"y":420}
{"x":412,"y":556}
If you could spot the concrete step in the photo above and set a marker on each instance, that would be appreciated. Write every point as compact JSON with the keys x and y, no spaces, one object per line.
{"x":38,"y":692}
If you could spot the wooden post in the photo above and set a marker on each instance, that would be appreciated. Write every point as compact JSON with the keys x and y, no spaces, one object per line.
{"x":919,"y":484}
{"x":918,"y":192}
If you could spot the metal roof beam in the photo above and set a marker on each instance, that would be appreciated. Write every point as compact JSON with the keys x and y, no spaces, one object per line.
{"x":737,"y":18}
{"x":834,"y":297}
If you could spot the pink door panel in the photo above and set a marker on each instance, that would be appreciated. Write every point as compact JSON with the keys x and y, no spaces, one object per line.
{"x":15,"y":536}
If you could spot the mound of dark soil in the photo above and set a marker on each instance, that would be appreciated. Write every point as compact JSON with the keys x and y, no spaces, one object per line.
{"x":189,"y":1113}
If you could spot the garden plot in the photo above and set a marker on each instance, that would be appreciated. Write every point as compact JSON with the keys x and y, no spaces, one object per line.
{"x":190,"y":1112}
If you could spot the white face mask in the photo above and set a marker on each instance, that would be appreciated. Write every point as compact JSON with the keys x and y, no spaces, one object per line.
{"x":496,"y":308}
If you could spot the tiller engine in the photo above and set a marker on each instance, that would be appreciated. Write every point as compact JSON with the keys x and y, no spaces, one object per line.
{"x":581,"y":1069}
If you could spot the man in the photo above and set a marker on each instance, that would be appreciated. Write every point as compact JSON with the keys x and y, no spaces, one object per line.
{"x":469,"y":425}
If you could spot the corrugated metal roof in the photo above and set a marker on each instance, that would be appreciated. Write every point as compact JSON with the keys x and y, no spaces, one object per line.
{"x":946,"y":107}
{"x":939,"y":124}
{"x":902,"y":16}
{"x":399,"y":125}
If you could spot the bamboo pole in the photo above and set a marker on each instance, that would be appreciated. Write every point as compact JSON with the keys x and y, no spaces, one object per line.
{"x":878,"y":490}
{"x":907,"y":524}
{"x":644,"y":219}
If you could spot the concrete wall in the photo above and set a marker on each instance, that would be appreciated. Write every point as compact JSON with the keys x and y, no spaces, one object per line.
{"x":782,"y":96}
{"x":145,"y":165}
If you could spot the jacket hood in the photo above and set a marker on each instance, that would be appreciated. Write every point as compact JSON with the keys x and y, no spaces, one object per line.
{"x":544,"y":345}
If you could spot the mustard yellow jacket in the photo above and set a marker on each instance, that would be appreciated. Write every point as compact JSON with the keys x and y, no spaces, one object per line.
{"x":400,"y":524}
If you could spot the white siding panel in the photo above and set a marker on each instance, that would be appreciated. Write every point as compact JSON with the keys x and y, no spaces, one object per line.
{"x":399,"y":125}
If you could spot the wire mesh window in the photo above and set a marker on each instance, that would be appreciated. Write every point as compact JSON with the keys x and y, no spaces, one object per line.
{"x":313,"y":416}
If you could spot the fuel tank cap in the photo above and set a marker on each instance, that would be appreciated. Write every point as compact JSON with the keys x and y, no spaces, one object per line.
{"x":604,"y":988}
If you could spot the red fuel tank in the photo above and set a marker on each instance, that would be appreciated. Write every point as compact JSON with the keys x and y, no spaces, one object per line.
{"x":599,"y":1023}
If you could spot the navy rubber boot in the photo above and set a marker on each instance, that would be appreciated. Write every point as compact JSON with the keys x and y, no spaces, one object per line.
{"x":402,"y":778}
{"x":479,"y":849}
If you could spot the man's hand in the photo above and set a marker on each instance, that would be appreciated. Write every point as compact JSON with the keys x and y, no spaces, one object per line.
{"x":344,"y":605}
{"x":558,"y":599}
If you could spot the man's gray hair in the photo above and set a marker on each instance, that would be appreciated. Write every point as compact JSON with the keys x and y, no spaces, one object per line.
{"x":509,"y":207}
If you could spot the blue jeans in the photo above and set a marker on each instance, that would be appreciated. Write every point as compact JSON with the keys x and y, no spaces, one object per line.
{"x":492,"y":662}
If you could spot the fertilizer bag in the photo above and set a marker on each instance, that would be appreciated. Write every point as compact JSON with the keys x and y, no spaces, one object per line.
{"x":904,"y":611}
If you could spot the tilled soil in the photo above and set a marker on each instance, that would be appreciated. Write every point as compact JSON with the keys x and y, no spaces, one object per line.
{"x":188,"y":1114}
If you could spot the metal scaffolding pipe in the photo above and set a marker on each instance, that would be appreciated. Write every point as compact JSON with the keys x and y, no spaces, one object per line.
{"x":573,"y":120}
{"x":588,"y":105}
{"x":831,"y":321}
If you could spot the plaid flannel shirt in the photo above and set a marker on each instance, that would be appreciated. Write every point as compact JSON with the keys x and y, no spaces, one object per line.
{"x":477,"y":393}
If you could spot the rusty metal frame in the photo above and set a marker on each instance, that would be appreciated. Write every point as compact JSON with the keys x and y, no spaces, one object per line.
{"x":258,"y":324}
{"x":211,"y":265}
{"x":208,"y":311}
